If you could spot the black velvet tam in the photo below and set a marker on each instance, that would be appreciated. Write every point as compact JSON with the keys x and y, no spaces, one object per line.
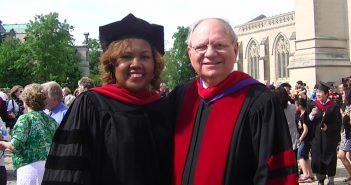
{"x":132,"y":27}
{"x":323,"y":86}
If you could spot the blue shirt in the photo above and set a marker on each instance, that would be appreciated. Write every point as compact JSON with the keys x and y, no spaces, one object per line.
{"x":57,"y":112}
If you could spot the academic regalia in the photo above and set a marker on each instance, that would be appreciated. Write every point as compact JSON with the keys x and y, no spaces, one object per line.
{"x":111,"y":136}
{"x":324,"y":143}
{"x":234,"y":133}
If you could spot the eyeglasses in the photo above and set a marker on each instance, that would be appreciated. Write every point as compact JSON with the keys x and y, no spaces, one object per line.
{"x":219,"y":47}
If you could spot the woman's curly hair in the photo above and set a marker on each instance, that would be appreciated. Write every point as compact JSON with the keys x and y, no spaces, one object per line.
{"x":34,"y":96}
{"x":115,"y":50}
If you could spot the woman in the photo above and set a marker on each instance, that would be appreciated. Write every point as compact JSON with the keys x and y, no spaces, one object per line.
{"x":117,"y":133}
{"x":327,"y":124}
{"x":31,"y":139}
{"x":305,"y":126}
{"x":290,"y":111}
{"x":345,"y":145}
{"x":15,"y":106}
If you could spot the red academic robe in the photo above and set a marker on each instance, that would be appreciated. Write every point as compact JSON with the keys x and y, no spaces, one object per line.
{"x":240,"y":137}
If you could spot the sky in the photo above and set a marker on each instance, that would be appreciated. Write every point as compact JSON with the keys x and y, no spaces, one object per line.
{"x":87,"y":15}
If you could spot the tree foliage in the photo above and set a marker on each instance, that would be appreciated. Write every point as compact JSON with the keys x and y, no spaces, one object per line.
{"x":14,"y":67}
{"x":47,"y":54}
{"x":51,"y":50}
{"x":178,"y":68}
{"x":94,"y":59}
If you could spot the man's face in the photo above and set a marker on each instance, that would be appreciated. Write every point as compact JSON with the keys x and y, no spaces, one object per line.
{"x":212,"y":51}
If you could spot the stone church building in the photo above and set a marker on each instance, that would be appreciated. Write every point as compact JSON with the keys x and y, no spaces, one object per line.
{"x":310,"y":44}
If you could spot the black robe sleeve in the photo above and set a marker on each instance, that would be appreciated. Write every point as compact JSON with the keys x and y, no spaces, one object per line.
{"x":261,"y":151}
{"x":272,"y":144}
{"x":71,"y":156}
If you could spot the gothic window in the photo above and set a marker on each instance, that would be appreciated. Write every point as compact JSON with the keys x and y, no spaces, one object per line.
{"x":282,"y":57}
{"x":253,"y":58}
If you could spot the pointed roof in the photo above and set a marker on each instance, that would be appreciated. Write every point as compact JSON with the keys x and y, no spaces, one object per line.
{"x":258,"y":18}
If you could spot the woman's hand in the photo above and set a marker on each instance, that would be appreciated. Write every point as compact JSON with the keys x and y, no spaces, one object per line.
{"x":314,"y":111}
{"x":2,"y":146}
{"x":6,"y":145}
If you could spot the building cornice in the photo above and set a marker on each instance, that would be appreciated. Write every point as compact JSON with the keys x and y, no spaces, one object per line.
{"x":282,"y":20}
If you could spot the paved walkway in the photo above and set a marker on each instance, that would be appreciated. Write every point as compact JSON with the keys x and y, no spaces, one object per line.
{"x":340,"y":173}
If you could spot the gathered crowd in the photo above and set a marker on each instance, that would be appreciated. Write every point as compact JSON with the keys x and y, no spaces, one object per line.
{"x":317,"y":120}
{"x":29,"y":118}
{"x":222,"y":128}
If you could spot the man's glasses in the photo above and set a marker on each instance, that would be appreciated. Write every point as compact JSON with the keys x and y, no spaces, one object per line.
{"x":219,"y":47}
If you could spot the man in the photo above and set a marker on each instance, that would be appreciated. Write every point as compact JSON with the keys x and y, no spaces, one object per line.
{"x":229,"y":128}
{"x":54,"y":106}
{"x":84,"y":84}
{"x":326,"y":118}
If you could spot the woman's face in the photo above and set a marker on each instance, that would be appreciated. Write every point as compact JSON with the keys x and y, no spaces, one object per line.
{"x":321,"y":95}
{"x":134,"y":70}
{"x":18,"y":92}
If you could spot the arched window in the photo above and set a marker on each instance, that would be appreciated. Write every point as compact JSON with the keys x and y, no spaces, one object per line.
{"x":282,"y":57}
{"x":253,"y":58}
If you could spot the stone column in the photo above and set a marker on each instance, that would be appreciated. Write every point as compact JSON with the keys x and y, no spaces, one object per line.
{"x":321,"y":41}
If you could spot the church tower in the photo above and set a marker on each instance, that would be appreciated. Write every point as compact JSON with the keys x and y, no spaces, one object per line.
{"x":322,"y":41}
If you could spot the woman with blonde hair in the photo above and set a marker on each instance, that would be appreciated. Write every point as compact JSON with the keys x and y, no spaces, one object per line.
{"x":118,"y":133}
{"x":31,"y":139}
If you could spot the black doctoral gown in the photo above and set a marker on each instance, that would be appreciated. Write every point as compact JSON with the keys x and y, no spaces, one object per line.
{"x":324,"y":143}
{"x":102,"y":141}
{"x":260,"y":147}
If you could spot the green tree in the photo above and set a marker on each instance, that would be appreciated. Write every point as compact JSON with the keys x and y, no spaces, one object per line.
{"x":178,"y":68}
{"x":50,"y":49}
{"x":94,"y":58}
{"x":14,"y":67}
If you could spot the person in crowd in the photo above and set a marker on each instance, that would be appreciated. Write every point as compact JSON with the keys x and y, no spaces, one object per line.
{"x":333,"y":95}
{"x":230,"y":129}
{"x":66,"y":91}
{"x":68,"y":97}
{"x":4,"y":96}
{"x":345,"y":145}
{"x":76,"y":92}
{"x":313,"y":96}
{"x":163,"y":90}
{"x":305,"y":127}
{"x":341,"y":88}
{"x":84,"y":84}
{"x":287,"y":87}
{"x":4,"y":136}
{"x":32,"y":136}
{"x":327,"y":127}
{"x":15,"y":106}
{"x":290,"y":111}
{"x":118,"y":133}
{"x":54,"y":106}
{"x":300,"y":90}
